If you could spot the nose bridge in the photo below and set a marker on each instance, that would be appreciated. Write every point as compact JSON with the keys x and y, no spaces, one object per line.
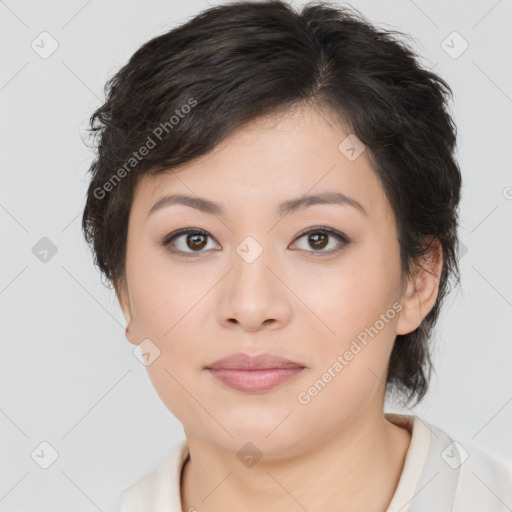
{"x":251,"y":258}
{"x":253,"y":295}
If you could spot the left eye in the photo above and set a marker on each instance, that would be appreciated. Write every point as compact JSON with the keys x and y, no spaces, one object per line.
{"x":317,"y":238}
{"x":193,"y":241}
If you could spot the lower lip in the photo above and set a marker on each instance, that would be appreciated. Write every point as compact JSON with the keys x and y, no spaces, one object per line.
{"x":255,"y":380}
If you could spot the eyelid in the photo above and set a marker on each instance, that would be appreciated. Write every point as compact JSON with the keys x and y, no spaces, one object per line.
{"x":330,"y":231}
{"x":182,"y":231}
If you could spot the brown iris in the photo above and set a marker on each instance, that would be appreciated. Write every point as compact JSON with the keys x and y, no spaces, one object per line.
{"x":319,"y":240}
{"x":197,"y":243}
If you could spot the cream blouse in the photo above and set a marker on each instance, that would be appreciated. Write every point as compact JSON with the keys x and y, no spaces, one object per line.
{"x":439,"y":475}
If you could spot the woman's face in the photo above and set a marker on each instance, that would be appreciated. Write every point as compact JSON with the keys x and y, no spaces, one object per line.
{"x":252,"y":283}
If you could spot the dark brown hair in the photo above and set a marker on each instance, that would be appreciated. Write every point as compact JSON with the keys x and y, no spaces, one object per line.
{"x":185,"y":91}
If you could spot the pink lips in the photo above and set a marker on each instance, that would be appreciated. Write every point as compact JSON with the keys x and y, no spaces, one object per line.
{"x":254,"y":373}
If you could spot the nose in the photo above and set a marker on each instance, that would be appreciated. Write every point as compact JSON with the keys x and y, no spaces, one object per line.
{"x":253,"y":297}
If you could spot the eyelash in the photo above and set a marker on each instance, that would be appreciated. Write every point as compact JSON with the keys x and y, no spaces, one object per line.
{"x":166,"y":242}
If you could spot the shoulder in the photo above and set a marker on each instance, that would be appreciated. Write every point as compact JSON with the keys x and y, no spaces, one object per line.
{"x":485,"y":482}
{"x":158,"y":489}
{"x":466,"y":477}
{"x":115,"y":506}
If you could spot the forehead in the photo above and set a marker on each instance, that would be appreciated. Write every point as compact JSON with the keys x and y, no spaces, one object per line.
{"x":272,"y":159}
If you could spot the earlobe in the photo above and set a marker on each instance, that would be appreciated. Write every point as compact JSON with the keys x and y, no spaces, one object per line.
{"x":124,"y":304}
{"x":421,"y":292}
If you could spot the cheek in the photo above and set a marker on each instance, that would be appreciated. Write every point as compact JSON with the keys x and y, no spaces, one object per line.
{"x":356,"y":309}
{"x":350,"y":365}
{"x":165,"y":300}
{"x":176,"y":384}
{"x":346,"y":297}
{"x":162,"y":293}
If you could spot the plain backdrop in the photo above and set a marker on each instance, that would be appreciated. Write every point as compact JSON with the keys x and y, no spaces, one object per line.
{"x":69,"y":377}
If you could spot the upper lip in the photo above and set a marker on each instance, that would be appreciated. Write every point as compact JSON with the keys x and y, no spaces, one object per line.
{"x":254,"y":362}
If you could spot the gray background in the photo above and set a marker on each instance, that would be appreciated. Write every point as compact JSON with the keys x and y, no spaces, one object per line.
{"x":69,"y":376}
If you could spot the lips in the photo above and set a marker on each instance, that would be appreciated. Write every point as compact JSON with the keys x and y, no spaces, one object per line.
{"x":254,"y":373}
{"x":242,"y":361}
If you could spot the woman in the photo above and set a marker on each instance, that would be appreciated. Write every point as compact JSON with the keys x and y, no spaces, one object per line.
{"x":275,"y":202}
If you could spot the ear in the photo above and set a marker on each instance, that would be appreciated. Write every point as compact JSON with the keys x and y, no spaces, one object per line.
{"x":123,"y":297}
{"x":421,"y":290}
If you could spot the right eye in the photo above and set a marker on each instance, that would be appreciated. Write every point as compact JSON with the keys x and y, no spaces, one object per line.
{"x":187,"y":238}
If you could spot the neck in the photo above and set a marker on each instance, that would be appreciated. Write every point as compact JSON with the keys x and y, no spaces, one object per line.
{"x":363,"y":475}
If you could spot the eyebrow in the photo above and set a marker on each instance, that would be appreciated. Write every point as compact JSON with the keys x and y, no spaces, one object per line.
{"x":285,"y":208}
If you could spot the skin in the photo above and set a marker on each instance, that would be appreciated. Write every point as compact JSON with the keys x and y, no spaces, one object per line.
{"x":339,"y":451}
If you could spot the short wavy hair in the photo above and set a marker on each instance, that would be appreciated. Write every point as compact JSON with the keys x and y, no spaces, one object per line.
{"x":189,"y":88}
